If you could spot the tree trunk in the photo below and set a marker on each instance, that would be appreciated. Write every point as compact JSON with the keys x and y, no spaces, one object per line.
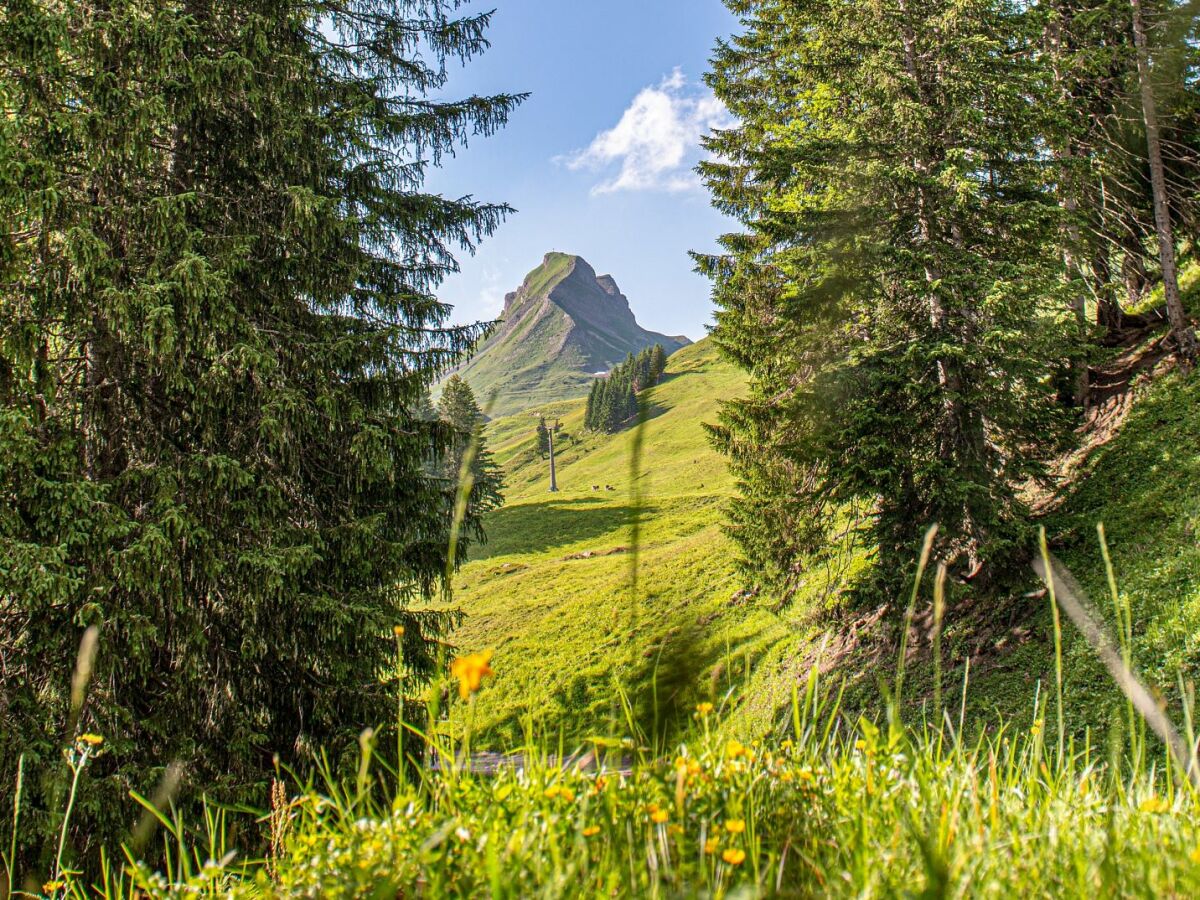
{"x":1181,"y":329}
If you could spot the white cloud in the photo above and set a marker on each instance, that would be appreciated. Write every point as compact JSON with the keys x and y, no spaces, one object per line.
{"x":656,"y":144}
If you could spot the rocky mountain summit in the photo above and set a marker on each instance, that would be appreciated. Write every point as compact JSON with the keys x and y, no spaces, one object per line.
{"x":562,"y":327}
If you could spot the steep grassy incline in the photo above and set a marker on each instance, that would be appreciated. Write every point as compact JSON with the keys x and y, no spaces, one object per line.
{"x":551,"y":591}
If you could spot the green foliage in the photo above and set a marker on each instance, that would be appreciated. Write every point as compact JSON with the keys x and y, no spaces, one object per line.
{"x":613,"y":401}
{"x":840,"y":809}
{"x":896,"y":293}
{"x":217,"y":332}
{"x":458,"y":409}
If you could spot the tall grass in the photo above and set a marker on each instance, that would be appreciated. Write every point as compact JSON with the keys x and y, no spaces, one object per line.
{"x":841,"y":807}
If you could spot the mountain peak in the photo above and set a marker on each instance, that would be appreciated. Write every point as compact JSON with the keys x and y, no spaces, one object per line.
{"x":561,"y":326}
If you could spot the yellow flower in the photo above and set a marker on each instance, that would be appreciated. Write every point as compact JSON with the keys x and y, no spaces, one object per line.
{"x":1194,"y":856}
{"x":470,"y":671}
{"x":711,"y":845}
{"x":735,"y":826}
{"x":704,"y":708}
{"x":93,"y":740}
{"x":398,"y":631}
{"x":734,"y":749}
{"x":734,"y":856}
{"x":51,"y":886}
{"x":1036,"y":728}
{"x":591,"y":831}
{"x":860,"y":744}
{"x":1154,"y":805}
{"x":659,"y":816}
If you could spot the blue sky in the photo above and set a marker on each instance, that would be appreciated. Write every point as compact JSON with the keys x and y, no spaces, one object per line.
{"x":598,"y":160}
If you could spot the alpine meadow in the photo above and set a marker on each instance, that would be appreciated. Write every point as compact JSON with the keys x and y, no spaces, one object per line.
{"x":844,"y":540}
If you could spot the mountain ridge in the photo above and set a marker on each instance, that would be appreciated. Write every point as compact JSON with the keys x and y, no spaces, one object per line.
{"x":561,"y":328}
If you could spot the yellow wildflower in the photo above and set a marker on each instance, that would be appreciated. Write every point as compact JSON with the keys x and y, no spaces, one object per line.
{"x":734,"y":749}
{"x":591,"y":831}
{"x":734,"y":856}
{"x":1154,"y":805}
{"x":735,"y":826}
{"x":558,"y":790}
{"x":398,"y":631}
{"x":51,"y":886}
{"x":93,"y":740}
{"x":659,"y":816}
{"x":711,"y":845}
{"x":704,"y":708}
{"x":470,"y":671}
{"x":1194,"y":856}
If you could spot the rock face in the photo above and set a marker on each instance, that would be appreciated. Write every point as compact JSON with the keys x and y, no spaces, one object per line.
{"x":564,"y":325}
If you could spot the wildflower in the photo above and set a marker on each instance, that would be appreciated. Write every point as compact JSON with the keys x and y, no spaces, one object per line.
{"x":93,"y":740}
{"x":734,"y":856}
{"x":558,"y":790}
{"x":591,"y":831}
{"x":860,"y":744}
{"x":659,"y":816}
{"x":1194,"y":856}
{"x":735,"y":826}
{"x":1154,"y":805}
{"x":51,"y":886}
{"x":704,"y":708}
{"x":734,"y":749}
{"x":470,"y":671}
{"x":398,"y":631}
{"x":1036,"y":728}
{"x":711,"y":845}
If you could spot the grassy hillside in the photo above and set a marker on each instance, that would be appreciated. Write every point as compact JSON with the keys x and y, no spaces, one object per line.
{"x":551,"y":591}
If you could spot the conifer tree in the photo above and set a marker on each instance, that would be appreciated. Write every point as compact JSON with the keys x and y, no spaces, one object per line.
{"x":895,"y":293}
{"x":658,"y":362}
{"x":458,"y":409}
{"x":217,"y":325}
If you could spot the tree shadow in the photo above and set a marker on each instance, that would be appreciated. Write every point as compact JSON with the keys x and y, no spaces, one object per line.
{"x":557,"y":522}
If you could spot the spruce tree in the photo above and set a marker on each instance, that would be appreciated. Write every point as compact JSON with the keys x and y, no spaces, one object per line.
{"x":217,"y":323}
{"x":896,"y":293}
{"x":458,"y":409}
{"x":658,"y":362}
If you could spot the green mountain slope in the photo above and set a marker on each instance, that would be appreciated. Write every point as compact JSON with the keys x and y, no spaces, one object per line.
{"x":551,"y":591}
{"x":562,"y":326}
